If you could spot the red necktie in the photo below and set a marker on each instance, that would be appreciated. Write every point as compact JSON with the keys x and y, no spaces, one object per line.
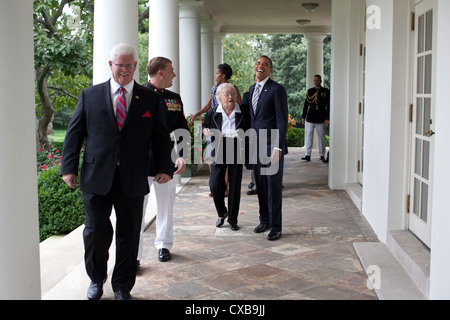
{"x":121,"y":111}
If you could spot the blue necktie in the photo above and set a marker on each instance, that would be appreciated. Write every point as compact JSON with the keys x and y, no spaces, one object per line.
{"x":255,"y":98}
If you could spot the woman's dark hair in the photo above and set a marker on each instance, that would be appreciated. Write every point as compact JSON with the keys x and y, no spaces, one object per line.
{"x":226,"y":70}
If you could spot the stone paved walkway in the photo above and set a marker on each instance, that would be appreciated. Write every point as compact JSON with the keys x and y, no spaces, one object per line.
{"x":314,"y":259}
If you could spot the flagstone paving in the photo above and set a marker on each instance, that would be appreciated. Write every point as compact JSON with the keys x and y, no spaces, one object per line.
{"x":313,"y":260}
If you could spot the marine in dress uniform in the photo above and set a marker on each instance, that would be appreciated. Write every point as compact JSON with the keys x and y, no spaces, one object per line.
{"x":316,"y":114}
{"x":165,"y":193}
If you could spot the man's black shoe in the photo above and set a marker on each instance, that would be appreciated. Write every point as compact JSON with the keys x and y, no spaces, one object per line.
{"x":274,"y":235}
{"x":261,"y":228}
{"x":123,"y":295}
{"x":306,"y":158}
{"x":252,"y":192}
{"x":95,"y":291}
{"x":163,"y":255}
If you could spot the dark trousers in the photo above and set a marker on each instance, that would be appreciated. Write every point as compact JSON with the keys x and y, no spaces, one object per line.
{"x":98,"y":234}
{"x":270,"y":195}
{"x":218,"y":187}
{"x":217,"y":179}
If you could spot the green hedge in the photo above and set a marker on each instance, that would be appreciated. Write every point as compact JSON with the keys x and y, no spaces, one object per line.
{"x":61,"y":208}
{"x":296,"y":137}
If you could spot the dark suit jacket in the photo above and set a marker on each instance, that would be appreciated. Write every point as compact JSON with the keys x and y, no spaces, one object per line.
{"x":94,"y":122}
{"x":271,"y":113}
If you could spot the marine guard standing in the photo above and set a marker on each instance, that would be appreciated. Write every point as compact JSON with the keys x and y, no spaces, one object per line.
{"x":316,"y":115}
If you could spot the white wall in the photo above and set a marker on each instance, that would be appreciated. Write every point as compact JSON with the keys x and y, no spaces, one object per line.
{"x":440,"y":235}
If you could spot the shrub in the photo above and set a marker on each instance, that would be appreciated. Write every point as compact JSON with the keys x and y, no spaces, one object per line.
{"x":61,"y":208}
{"x":296,"y":137}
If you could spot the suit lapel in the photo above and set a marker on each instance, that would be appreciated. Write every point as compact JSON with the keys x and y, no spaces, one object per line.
{"x":252,"y":90}
{"x":218,"y":120}
{"x":106,"y":96}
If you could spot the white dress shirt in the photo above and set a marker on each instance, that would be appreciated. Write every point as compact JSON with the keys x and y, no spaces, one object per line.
{"x":229,"y":122}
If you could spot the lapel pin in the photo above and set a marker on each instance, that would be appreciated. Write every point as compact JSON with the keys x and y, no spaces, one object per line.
{"x":137,"y":97}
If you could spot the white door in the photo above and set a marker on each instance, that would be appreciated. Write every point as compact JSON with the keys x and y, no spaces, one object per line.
{"x":423,"y":121}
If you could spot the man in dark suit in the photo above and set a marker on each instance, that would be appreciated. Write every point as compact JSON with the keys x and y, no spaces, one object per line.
{"x":269,"y":118}
{"x":117,"y":120}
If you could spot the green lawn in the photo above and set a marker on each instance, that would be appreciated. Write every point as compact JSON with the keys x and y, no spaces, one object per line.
{"x":58,"y":136}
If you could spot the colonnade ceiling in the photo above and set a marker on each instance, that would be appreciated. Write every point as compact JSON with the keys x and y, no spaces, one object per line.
{"x":268,"y":16}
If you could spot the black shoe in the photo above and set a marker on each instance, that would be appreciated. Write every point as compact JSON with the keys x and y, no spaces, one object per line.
{"x":122,"y":295}
{"x":234,"y":226}
{"x":322,"y":158}
{"x":163,"y":255}
{"x":95,"y":291}
{"x":251,"y":185}
{"x":261,"y":228}
{"x":221,"y":220}
{"x":306,"y":158}
{"x":274,"y":235}
{"x":252,"y":192}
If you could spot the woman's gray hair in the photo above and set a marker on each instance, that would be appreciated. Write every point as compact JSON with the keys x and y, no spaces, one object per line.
{"x":225,"y":86}
{"x":123,"y":49}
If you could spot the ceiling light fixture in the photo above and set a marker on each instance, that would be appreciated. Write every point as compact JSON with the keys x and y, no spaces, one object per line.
{"x":310,"y":7}
{"x":303,"y":22}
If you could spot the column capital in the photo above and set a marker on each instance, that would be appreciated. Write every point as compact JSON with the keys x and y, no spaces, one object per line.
{"x":191,"y":9}
{"x":315,"y":37}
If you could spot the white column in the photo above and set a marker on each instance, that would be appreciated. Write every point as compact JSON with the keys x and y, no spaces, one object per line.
{"x":115,"y":21}
{"x":218,"y":48}
{"x":208,"y":68}
{"x":19,"y":228}
{"x":315,"y":57}
{"x":314,"y":66}
{"x":339,"y":93}
{"x":190,"y":55}
{"x":164,"y":34}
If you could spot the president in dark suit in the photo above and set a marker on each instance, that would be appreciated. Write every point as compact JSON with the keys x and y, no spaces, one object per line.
{"x":269,"y":118}
{"x":117,"y":120}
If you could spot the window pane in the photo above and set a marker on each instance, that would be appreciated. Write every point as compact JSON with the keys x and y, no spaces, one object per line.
{"x":418,"y":157}
{"x":416,"y":197}
{"x":419,"y":116}
{"x":428,"y":73}
{"x":426,"y":160}
{"x":426,"y":115}
{"x":429,"y":32}
{"x":420,"y":75}
{"x":424,"y":204}
{"x":420,"y":34}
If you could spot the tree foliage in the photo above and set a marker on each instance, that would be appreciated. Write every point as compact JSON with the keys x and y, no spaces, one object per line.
{"x":63,"y":37}
{"x":289,"y":55}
